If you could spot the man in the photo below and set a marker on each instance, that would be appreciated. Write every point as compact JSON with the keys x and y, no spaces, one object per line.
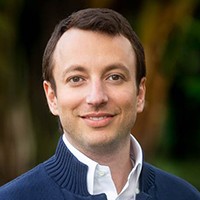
{"x":94,"y":81}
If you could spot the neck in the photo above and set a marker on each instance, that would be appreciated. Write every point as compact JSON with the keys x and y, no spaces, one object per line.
{"x":116,"y":156}
{"x":120,"y":171}
{"x":118,"y":161}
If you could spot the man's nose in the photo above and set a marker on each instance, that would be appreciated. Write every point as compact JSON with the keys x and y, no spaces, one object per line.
{"x":96,"y":94}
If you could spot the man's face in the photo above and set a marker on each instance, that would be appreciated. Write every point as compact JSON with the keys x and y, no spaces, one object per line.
{"x":96,"y":96}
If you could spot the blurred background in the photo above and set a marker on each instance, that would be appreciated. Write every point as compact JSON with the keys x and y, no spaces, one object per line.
{"x":168,"y":129}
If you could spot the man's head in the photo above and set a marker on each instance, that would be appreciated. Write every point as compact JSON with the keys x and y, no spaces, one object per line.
{"x":94,"y":75}
{"x":100,"y":20}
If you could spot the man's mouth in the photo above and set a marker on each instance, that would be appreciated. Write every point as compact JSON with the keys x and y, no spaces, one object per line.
{"x":97,"y":120}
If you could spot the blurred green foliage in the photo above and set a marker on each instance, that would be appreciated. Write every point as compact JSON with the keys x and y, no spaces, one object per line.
{"x":179,"y":149}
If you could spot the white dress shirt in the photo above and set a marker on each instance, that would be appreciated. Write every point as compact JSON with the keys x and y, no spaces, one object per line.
{"x":99,"y":178}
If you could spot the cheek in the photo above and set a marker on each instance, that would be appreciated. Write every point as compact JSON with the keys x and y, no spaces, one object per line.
{"x":130,"y":107}
{"x":126,"y":102}
{"x":127,"y":98}
{"x":129,"y":102}
{"x":68,"y":101}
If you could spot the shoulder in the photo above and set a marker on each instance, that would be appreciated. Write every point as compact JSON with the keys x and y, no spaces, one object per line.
{"x":29,"y":185}
{"x":168,"y":186}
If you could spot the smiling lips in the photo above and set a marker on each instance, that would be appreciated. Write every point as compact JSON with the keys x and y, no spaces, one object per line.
{"x":97,"y":120}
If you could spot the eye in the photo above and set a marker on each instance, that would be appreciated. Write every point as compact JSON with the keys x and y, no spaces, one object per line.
{"x":75,"y":80}
{"x":115,"y":77}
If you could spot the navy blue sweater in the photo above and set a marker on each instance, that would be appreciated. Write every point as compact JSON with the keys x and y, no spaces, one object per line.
{"x":63,"y":177}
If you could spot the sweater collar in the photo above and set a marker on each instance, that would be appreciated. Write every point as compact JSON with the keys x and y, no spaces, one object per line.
{"x":66,"y":170}
{"x":147,"y":183}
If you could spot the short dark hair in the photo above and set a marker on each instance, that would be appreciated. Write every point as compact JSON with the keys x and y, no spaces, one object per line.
{"x":101,"y":20}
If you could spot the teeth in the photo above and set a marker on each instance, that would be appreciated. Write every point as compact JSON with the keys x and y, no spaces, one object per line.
{"x":97,"y":118}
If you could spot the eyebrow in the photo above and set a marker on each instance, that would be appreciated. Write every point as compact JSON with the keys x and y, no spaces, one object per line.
{"x":108,"y":68}
{"x":116,"y":66}
{"x":74,"y":68}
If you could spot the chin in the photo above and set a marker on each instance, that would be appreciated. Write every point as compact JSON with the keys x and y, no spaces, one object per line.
{"x":103,"y":144}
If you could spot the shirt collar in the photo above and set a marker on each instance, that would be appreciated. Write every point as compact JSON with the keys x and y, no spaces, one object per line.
{"x":133,"y":178}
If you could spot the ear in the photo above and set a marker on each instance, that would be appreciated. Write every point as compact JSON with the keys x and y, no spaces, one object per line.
{"x":141,"y":95}
{"x":51,"y":97}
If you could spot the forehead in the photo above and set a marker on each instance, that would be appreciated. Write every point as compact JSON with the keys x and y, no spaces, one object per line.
{"x":89,"y":48}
